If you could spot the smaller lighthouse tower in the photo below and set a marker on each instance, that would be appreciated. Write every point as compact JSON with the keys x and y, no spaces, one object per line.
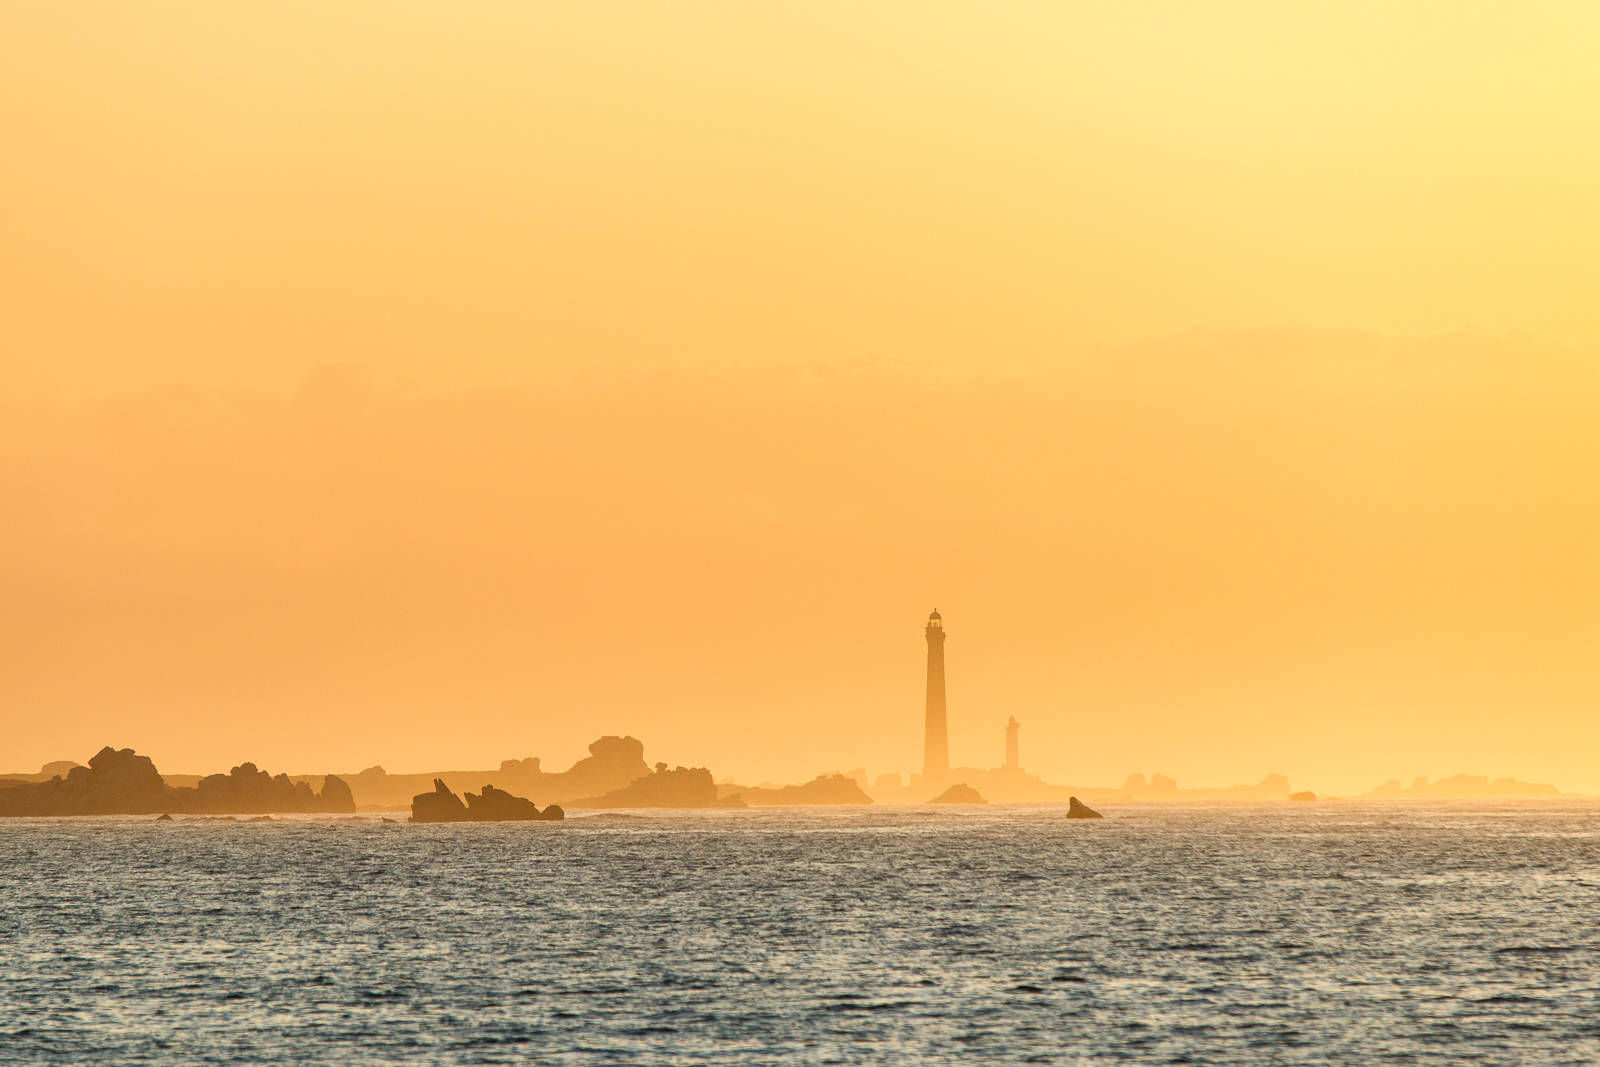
{"x":1012,"y":726}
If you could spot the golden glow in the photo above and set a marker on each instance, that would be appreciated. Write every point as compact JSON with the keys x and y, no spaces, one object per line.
{"x":436,"y":384}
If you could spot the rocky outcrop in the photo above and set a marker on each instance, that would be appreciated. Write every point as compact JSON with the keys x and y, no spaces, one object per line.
{"x":491,"y":805}
{"x":612,"y":763}
{"x":122,"y":782}
{"x":823,"y":789}
{"x":116,"y":782}
{"x":441,"y":805}
{"x":681,"y":787}
{"x":248,"y":790}
{"x":1305,"y":796}
{"x":960,"y":793}
{"x":496,"y":805}
{"x":1077,"y":809}
{"x":336,"y":795}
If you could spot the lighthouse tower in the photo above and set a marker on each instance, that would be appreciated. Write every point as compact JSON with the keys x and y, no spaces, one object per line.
{"x":936,"y":753}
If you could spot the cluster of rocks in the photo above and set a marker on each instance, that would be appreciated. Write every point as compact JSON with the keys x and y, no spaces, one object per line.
{"x":681,"y":787}
{"x":246,"y":790}
{"x":612,"y":763}
{"x":492,"y":805}
{"x":122,"y":782}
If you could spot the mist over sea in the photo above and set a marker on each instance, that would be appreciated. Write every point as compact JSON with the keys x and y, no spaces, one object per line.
{"x":1435,"y":932}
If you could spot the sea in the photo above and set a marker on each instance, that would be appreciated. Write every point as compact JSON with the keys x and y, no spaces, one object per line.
{"x":1326,"y":933}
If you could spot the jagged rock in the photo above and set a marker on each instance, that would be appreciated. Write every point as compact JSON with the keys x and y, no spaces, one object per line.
{"x":492,"y":805}
{"x":336,"y":795}
{"x":1077,"y":809}
{"x":823,"y":789}
{"x":248,"y":790}
{"x":682,"y":787}
{"x":612,"y":763}
{"x":960,"y":793}
{"x":441,"y":805}
{"x":1308,"y":795}
{"x":165,"y":818}
{"x":116,"y":782}
{"x":496,"y":805}
{"x":733,"y":800}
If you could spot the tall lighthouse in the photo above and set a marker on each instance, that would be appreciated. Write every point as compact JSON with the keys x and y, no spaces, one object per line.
{"x":936,"y":754}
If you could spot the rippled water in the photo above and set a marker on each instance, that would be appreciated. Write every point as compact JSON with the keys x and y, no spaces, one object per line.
{"x":1265,"y":934}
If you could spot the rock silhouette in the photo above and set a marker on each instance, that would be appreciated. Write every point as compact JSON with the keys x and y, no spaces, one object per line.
{"x":122,"y":782}
{"x":960,"y":793}
{"x":58,"y":768}
{"x":496,"y":805}
{"x":248,"y":790}
{"x":492,"y":805}
{"x":823,"y":789}
{"x":612,"y":763}
{"x":681,"y":787}
{"x":1077,"y":809}
{"x":441,"y":805}
{"x":116,"y":782}
{"x":1307,"y":795}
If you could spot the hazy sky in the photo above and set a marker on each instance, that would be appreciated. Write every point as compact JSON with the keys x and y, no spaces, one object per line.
{"x":435,"y":384}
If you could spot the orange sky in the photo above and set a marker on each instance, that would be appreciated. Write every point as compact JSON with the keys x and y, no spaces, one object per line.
{"x":408,"y":384}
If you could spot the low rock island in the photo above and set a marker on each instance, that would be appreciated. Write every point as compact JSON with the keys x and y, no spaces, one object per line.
{"x":1077,"y":809}
{"x":492,"y":805}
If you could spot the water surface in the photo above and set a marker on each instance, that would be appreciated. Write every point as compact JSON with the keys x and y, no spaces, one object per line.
{"x":1218,"y":934}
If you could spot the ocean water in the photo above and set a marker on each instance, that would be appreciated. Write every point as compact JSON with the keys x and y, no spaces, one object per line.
{"x":1437,"y":933}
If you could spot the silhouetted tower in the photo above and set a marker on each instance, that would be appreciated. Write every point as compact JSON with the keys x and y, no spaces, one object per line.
{"x":936,"y":753}
{"x":1012,"y":725}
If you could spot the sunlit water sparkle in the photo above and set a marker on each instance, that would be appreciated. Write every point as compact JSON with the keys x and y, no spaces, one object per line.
{"x":1218,"y":934}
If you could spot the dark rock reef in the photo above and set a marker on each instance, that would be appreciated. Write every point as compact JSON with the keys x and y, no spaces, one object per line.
{"x":247,"y":790}
{"x":492,"y":805}
{"x":1303,"y":797}
{"x":122,"y":782}
{"x":116,"y":782}
{"x":1077,"y":809}
{"x":960,"y":793}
